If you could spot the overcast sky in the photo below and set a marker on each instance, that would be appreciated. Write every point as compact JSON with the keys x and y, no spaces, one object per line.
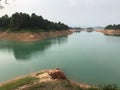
{"x":71,"y":12}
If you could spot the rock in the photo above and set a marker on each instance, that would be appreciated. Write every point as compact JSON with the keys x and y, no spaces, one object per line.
{"x":57,"y":74}
{"x":31,"y":36}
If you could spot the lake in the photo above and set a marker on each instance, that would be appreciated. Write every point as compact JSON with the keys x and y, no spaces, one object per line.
{"x":87,"y":57}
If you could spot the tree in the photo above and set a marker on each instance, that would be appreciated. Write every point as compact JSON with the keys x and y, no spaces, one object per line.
{"x":109,"y":27}
{"x":20,"y":21}
{"x":15,"y":22}
{"x":4,"y":22}
{"x":113,"y":27}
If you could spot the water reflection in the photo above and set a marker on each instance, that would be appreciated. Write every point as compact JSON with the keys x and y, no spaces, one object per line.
{"x":23,"y":51}
{"x":95,"y":60}
{"x":112,"y":39}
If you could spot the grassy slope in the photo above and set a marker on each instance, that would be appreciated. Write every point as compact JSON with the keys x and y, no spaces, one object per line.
{"x":15,"y":84}
{"x":42,"y":81}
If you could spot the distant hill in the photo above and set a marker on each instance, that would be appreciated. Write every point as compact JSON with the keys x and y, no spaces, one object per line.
{"x":113,"y":27}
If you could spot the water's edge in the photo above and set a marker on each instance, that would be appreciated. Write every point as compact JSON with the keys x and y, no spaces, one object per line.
{"x":30,"y":36}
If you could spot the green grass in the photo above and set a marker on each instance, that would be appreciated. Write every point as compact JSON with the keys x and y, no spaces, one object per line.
{"x":18,"y":83}
{"x":52,"y":85}
{"x":56,"y":85}
{"x":106,"y":87}
{"x":109,"y":87}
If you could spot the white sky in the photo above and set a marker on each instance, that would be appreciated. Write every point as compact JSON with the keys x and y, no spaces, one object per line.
{"x":71,"y":12}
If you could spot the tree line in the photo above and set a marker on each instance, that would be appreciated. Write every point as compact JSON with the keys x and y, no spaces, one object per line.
{"x":22,"y":21}
{"x":113,"y":27}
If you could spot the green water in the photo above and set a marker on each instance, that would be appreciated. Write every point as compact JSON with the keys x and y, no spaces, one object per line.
{"x":91,"y":58}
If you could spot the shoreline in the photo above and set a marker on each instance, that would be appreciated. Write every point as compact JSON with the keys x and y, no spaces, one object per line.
{"x":32,"y":36}
{"x":110,"y":32}
{"x":20,"y":77}
{"x":43,"y":76}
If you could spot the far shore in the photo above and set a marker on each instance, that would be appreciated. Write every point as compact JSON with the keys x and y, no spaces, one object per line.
{"x":32,"y":36}
{"x":110,"y":32}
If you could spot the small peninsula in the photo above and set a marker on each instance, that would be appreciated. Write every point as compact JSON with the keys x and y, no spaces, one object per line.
{"x":52,"y":79}
{"x":25,"y":27}
{"x":113,"y":30}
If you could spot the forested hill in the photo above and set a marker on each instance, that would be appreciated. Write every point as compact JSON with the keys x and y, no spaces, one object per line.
{"x":113,"y":27}
{"x":33,"y":22}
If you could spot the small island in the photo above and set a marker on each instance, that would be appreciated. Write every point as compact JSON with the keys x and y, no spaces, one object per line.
{"x":25,"y":27}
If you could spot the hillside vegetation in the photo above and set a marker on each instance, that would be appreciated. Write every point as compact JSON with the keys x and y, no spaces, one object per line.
{"x":22,"y":21}
{"x":50,"y":80}
{"x":113,"y":27}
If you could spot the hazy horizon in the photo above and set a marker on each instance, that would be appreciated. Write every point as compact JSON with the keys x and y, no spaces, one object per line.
{"x":84,"y":13}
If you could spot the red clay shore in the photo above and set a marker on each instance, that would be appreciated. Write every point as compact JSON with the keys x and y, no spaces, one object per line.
{"x":110,"y":32}
{"x":31,"y":36}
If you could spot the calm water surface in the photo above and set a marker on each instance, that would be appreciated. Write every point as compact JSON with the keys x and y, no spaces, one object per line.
{"x":91,"y":58}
